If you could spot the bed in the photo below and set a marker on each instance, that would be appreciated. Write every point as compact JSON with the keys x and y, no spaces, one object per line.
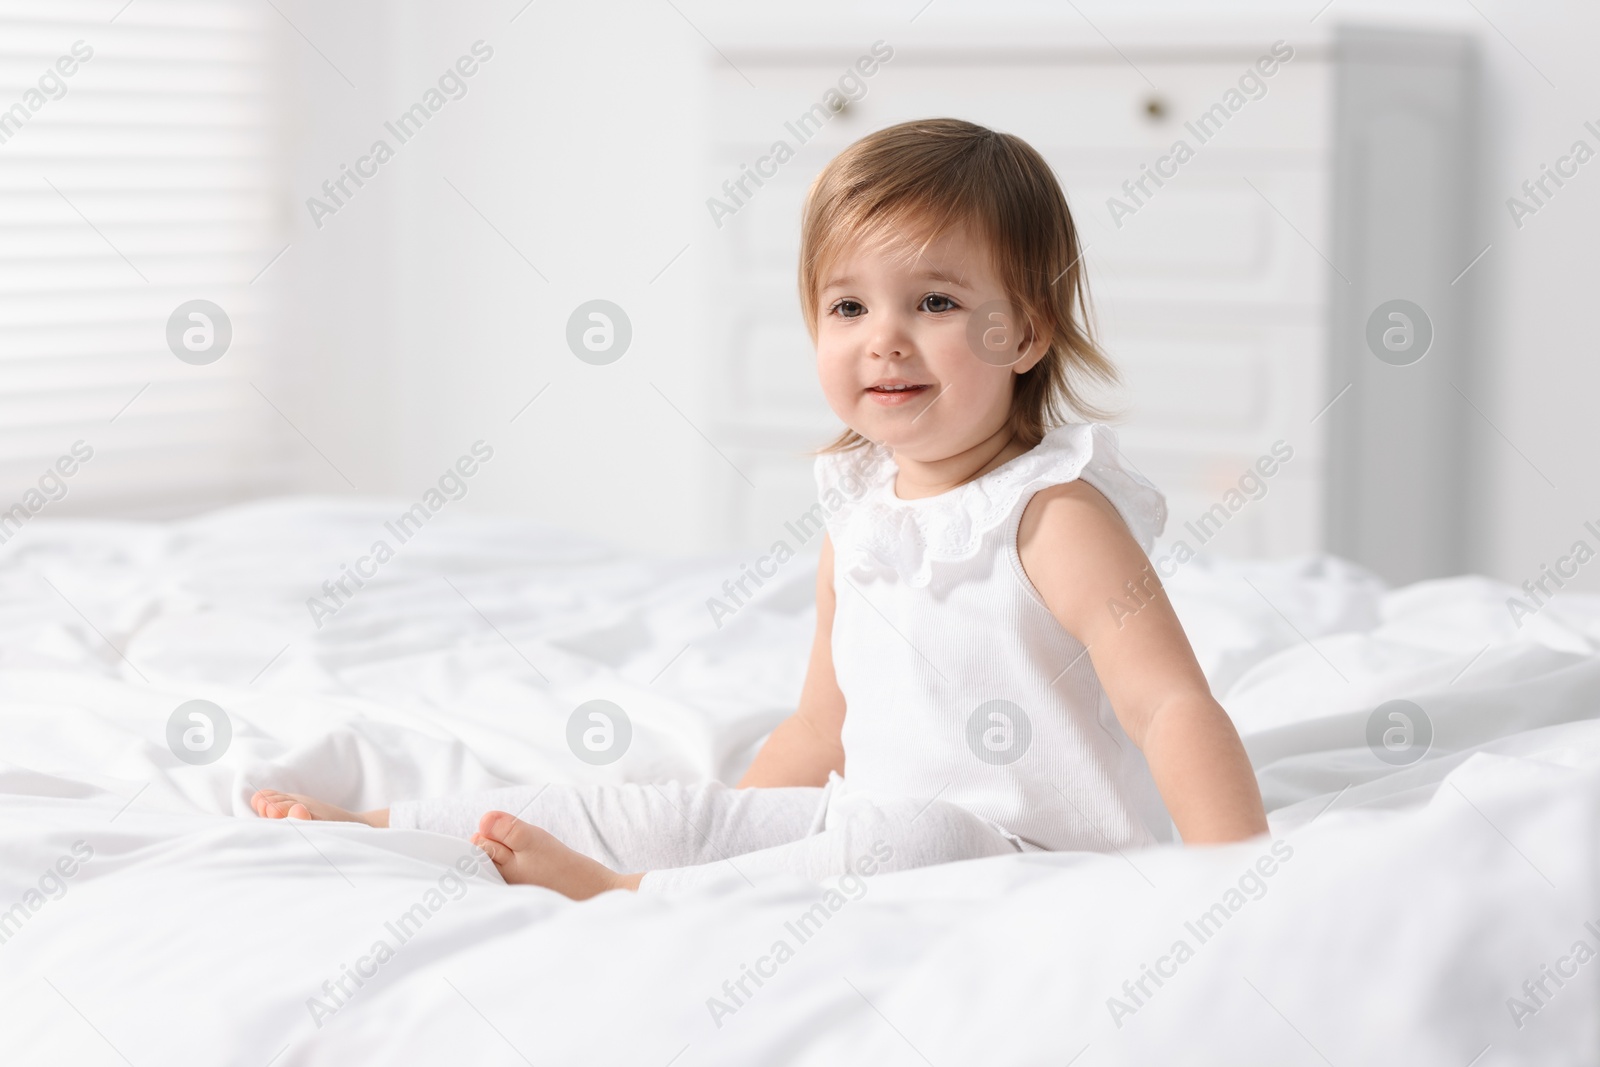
{"x":1429,"y":892}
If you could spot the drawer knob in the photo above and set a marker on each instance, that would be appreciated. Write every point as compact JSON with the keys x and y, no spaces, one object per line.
{"x":1155,"y":109}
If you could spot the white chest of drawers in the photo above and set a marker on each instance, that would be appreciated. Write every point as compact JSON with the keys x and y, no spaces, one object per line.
{"x":1231,"y":295}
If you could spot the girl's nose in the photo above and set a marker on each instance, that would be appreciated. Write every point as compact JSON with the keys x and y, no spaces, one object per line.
{"x":891,"y":341}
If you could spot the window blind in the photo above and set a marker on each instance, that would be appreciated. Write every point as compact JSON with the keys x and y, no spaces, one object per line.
{"x":138,"y":173}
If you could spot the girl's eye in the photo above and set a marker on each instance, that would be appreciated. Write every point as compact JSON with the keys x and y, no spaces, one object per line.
{"x":846,"y":308}
{"x":936,"y":302}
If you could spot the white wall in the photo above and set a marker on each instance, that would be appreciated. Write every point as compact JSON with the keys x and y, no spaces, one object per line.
{"x":418,"y":330}
{"x":424,"y":326}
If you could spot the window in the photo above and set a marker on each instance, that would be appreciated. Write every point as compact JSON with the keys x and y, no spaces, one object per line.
{"x":139,"y":170}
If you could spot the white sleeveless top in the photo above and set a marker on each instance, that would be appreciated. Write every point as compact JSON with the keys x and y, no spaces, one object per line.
{"x":959,"y":683}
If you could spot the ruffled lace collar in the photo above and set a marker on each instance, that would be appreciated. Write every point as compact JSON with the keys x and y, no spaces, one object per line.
{"x":873,"y":529}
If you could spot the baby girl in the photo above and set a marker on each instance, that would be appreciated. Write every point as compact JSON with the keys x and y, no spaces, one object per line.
{"x":977,"y":686}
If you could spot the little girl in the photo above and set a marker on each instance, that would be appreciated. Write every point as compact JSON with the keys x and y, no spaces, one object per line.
{"x":978,"y":685}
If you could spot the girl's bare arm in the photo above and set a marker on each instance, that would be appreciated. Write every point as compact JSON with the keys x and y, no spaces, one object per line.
{"x":806,"y":746}
{"x":1080,"y":556}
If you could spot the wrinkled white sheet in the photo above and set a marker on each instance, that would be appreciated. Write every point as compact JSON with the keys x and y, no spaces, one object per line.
{"x":1404,"y":909}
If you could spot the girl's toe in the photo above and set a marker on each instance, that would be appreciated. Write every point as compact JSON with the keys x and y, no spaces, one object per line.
{"x":512,"y":832}
{"x":496,"y":852}
{"x":275,"y":805}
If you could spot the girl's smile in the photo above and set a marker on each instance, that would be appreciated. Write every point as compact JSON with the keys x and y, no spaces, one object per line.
{"x":892,"y":392}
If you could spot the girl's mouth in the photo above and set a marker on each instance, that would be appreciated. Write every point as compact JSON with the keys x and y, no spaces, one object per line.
{"x":893,"y":393}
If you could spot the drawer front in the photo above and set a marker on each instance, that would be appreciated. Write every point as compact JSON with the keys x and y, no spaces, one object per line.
{"x":1223,"y":387}
{"x":1100,"y":106}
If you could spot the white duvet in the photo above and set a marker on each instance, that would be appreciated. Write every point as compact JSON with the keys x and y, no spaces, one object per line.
{"x":1445,"y":911}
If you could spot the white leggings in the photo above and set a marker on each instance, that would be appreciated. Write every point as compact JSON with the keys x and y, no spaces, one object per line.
{"x":686,"y":836}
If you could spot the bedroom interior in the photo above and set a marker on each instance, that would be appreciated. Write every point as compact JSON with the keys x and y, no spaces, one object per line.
{"x":319,"y":320}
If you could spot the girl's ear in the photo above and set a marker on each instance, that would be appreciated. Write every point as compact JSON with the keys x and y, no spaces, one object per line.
{"x":1030,"y":351}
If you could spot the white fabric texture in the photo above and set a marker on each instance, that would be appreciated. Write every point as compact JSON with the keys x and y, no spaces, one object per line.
{"x":1418,"y":899}
{"x":690,"y":836}
{"x":959,"y":683}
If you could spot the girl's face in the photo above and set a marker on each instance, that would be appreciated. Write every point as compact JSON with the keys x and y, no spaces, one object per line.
{"x":921,"y":356}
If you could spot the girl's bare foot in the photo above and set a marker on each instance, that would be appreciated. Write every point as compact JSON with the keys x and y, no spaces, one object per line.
{"x":271,"y":804}
{"x":527,"y":855}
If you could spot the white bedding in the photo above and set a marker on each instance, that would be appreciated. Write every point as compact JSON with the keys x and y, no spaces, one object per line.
{"x":1405,"y":907}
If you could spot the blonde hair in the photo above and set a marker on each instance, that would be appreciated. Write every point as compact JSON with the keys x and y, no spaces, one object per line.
{"x":933,"y":175}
